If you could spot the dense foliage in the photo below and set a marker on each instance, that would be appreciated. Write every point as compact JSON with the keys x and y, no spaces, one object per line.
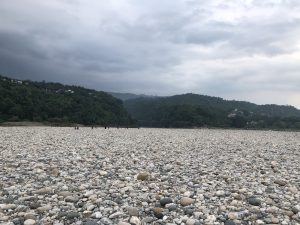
{"x":57,"y":103}
{"x":191,"y":110}
{"x":62,"y":104}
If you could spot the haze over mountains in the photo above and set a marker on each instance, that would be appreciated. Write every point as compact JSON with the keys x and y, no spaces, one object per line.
{"x":64,"y":104}
{"x":128,"y":96}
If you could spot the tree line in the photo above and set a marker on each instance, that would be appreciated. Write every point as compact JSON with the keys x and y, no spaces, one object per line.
{"x":191,"y":110}
{"x":58,"y":103}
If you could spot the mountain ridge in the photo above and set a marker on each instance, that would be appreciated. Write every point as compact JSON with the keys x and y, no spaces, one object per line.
{"x":190,"y":110}
{"x":23,"y":100}
{"x":123,"y":97}
{"x":128,"y":96}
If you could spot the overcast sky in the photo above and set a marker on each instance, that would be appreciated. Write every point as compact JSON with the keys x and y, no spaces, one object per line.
{"x":235,"y":49}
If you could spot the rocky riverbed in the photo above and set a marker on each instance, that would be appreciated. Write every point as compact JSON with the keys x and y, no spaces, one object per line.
{"x":148,"y":176}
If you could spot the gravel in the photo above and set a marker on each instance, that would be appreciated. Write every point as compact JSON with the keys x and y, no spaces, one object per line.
{"x":142,"y":176}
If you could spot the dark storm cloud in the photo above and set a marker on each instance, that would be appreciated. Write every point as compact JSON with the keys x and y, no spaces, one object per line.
{"x":237,"y":49}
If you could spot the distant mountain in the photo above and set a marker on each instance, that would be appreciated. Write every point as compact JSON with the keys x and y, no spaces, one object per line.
{"x":57,"y":103}
{"x":63,"y":104}
{"x":192,"y":110}
{"x":128,"y":96}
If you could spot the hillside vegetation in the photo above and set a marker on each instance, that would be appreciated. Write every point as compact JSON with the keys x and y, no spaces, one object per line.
{"x":63,"y":104}
{"x":57,"y":103}
{"x":191,"y":110}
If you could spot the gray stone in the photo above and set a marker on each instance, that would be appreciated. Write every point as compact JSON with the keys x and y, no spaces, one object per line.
{"x":280,"y":182}
{"x":73,"y":199}
{"x":44,"y":191}
{"x":72,"y":215}
{"x":295,"y":210}
{"x":165,"y":201}
{"x":254,"y":201}
{"x":133,"y":211}
{"x":90,"y":222}
{"x":229,"y":222}
{"x":171,"y":207}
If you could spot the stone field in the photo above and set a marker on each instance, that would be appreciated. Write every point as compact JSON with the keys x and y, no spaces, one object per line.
{"x":148,"y":176}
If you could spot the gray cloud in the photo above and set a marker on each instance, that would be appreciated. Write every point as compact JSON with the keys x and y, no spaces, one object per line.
{"x":247,"y":50}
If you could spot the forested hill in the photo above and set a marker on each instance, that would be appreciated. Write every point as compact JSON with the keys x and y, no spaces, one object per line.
{"x":64,"y":104}
{"x":57,"y":103}
{"x":191,"y":110}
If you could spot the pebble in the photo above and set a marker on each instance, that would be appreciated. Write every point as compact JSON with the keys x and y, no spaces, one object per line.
{"x":44,"y":191}
{"x":43,"y":209}
{"x":158,"y":213}
{"x":90,"y":222}
{"x":135,"y":220}
{"x":72,"y":215}
{"x":184,"y":201}
{"x":220,"y":193}
{"x":116,"y":215}
{"x":165,"y":201}
{"x":28,"y":216}
{"x":229,"y":222}
{"x":103,"y":173}
{"x":232,"y":215}
{"x":280,"y":182}
{"x":64,"y":194}
{"x":295,"y":209}
{"x":254,"y":201}
{"x":143,"y":176}
{"x":7,"y":206}
{"x":133,"y":211}
{"x":210,"y":219}
{"x":97,"y":215}
{"x":71,"y":199}
{"x":190,"y":222}
{"x":171,"y":207}
{"x":123,"y":223}
{"x":29,"y":222}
